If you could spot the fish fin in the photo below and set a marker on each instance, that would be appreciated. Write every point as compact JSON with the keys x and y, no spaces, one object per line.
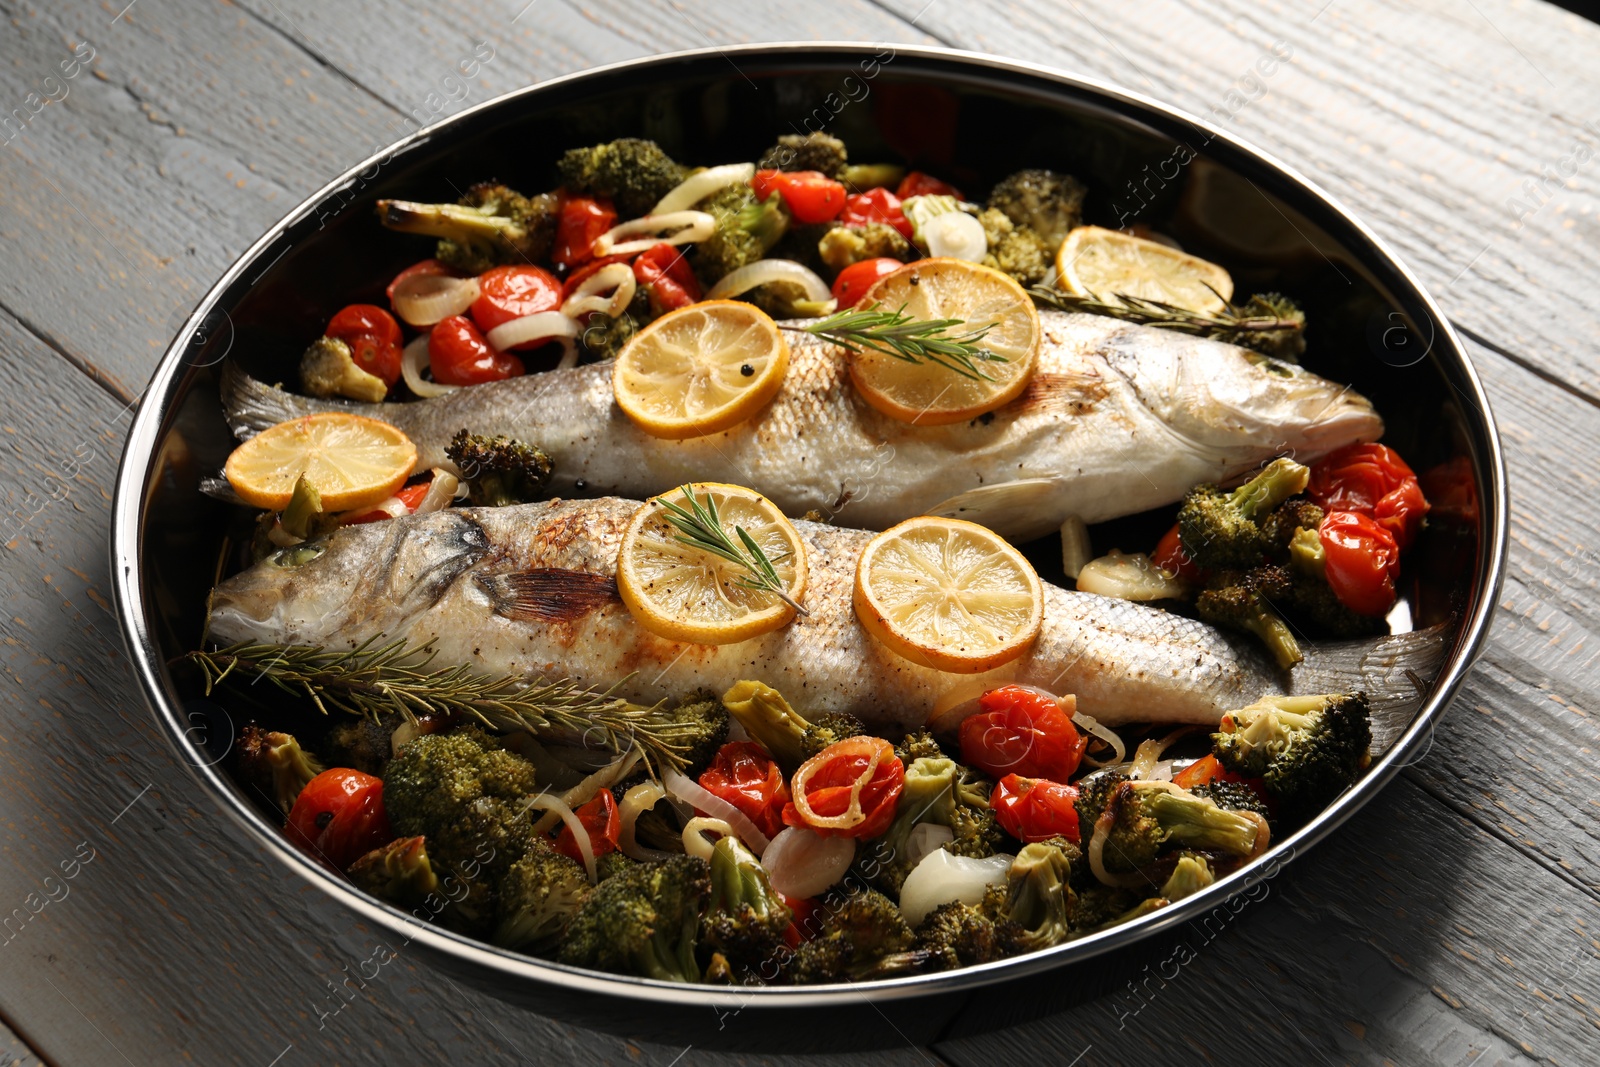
{"x":1018,"y":511}
{"x":1395,"y":672}
{"x":251,"y":406}
{"x":549,"y":594}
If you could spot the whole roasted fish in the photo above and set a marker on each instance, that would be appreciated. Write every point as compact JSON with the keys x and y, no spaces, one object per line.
{"x":531,"y":591}
{"x":1119,"y":418}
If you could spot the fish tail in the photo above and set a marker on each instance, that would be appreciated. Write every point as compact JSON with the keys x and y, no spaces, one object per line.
{"x":1395,"y":672}
{"x":251,"y":406}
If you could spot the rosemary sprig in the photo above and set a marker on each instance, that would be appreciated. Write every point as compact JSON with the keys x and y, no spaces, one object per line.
{"x":374,"y":678}
{"x":905,"y":337}
{"x":1243,"y":324}
{"x":699,"y":526}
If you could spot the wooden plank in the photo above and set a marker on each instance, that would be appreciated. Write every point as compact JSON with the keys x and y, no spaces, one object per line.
{"x":15,"y":1052}
{"x":142,"y":922}
{"x":1425,"y":119}
{"x":1409,"y":937}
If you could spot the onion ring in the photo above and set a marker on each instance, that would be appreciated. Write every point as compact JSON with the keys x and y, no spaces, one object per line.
{"x":425,"y":299}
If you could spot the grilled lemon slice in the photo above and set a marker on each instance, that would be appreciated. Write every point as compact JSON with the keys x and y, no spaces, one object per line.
{"x":352,"y":461}
{"x":1105,"y":263}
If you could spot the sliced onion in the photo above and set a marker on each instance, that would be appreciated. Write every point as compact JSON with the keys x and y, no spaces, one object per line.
{"x":1090,"y":725}
{"x":441,"y":492}
{"x":544,"y":326}
{"x":1076,"y":551}
{"x":765,"y":271}
{"x":957,"y":235}
{"x":694,"y":835}
{"x":413,"y":361}
{"x":684,"y":788}
{"x":943,"y":878}
{"x":1144,"y":758}
{"x":585,"y":791}
{"x":424,"y":299}
{"x":562,"y":810}
{"x":615,"y":278}
{"x":803,"y":863}
{"x":635,"y":802}
{"x":1129,"y":576}
{"x":696,"y":187}
{"x":392,"y":506}
{"x":926,"y":837}
{"x":673,"y":228}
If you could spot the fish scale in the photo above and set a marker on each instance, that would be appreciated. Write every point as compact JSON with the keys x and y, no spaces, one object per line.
{"x":528,"y":591}
{"x":1117,"y":419}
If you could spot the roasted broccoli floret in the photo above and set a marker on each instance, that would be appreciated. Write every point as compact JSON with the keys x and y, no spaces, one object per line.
{"x":1312,"y":596}
{"x":828,"y":728}
{"x":1283,"y":523}
{"x":399,"y":872}
{"x":1219,"y":527}
{"x":746,"y":230}
{"x":806,"y":151}
{"x":275,"y":764}
{"x":1146,"y":817}
{"x":933,"y":793}
{"x":843,"y":245}
{"x":1245,"y":601}
{"x":1306,"y":749}
{"x":1191,"y":875}
{"x":960,"y":935}
{"x":635,"y":173}
{"x":642,"y":920}
{"x":1039,"y":904}
{"x":1014,"y":250}
{"x":747,"y":918}
{"x":328,"y":368}
{"x":1041,"y":201}
{"x":538,"y":898}
{"x":700,"y":723}
{"x":864,"y":935}
{"x":491,"y":225}
{"x":499,"y":471}
{"x":918,"y":745}
{"x":467,"y":795}
{"x":604,"y":336}
{"x":1234,"y":796}
{"x":363,"y":743}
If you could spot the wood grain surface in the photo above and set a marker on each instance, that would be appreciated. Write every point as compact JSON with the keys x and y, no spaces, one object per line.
{"x":1452,"y":921}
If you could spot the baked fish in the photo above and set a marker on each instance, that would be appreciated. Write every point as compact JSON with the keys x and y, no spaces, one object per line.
{"x":530,"y":591}
{"x":1118,"y":418}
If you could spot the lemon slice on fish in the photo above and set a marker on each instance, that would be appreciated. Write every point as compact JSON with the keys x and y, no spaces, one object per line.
{"x":948,"y":594}
{"x":700,"y":369}
{"x":1104,"y":263}
{"x":677,"y":588}
{"x":927,"y":393}
{"x":352,"y":461}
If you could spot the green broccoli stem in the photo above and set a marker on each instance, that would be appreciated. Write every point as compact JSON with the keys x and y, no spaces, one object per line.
{"x":303,"y":510}
{"x":1275,"y":634}
{"x":1277,"y":482}
{"x":452,"y":222}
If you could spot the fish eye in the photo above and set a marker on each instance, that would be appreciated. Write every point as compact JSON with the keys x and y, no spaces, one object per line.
{"x":296,"y":555}
{"x":1273,"y":366}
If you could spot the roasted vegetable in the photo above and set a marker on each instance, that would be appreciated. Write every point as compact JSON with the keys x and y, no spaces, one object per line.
{"x":863,"y":936}
{"x":1042,"y":203}
{"x":842,"y":246}
{"x":1037,"y":910}
{"x":538,"y":898}
{"x":746,"y":230}
{"x":1244,"y":600}
{"x":747,"y":918}
{"x":643,"y":920}
{"x":1141,"y":818}
{"x":328,"y":369}
{"x":634,"y":173}
{"x":497,"y":470}
{"x":490,"y":226}
{"x":275,"y":764}
{"x":1306,"y":749}
{"x":940,"y":792}
{"x":1015,"y":250}
{"x":1219,"y":527}
{"x":806,"y":151}
{"x":399,"y":872}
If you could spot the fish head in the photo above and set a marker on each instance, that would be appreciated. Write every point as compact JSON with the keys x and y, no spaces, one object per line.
{"x":1241,"y":405}
{"x":354,"y":582}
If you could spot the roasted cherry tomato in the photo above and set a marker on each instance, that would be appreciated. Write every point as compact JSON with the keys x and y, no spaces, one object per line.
{"x":919,"y":184}
{"x":1452,"y":491}
{"x":582,"y":220}
{"x":1018,"y":730}
{"x":848,"y":789}
{"x":1362,"y":561}
{"x":1033,"y":809}
{"x":1371,"y":479}
{"x":857,"y":278}
{"x":426,"y":268}
{"x":804,"y":926}
{"x":1171,"y":557}
{"x":810,"y":195}
{"x":665,"y":275}
{"x":339,"y":817}
{"x":1204,"y":771}
{"x":459,"y":355}
{"x":373,"y":337}
{"x":603,"y":823}
{"x":746,"y":777}
{"x":876,"y":205}
{"x":411,"y":496}
{"x":512,"y":292}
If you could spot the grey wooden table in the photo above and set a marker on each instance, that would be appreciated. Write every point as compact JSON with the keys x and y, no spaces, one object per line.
{"x":1453,"y":921}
